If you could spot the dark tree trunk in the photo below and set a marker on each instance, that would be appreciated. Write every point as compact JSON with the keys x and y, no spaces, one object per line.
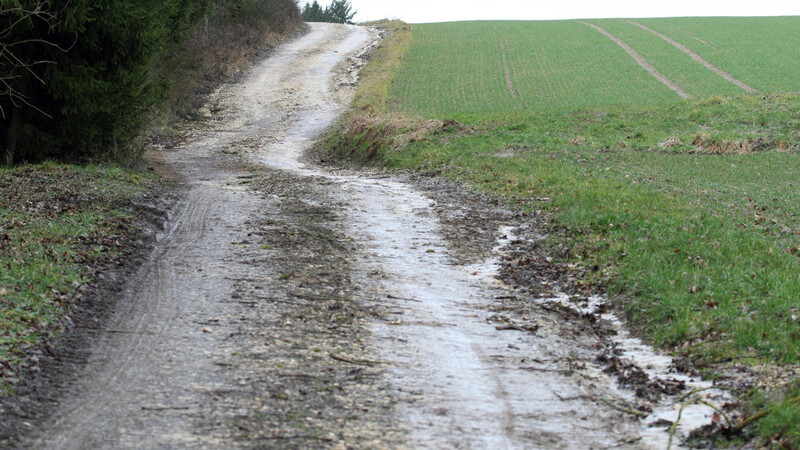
{"x":12,"y":140}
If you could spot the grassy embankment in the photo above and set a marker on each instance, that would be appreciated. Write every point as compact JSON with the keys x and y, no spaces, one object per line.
{"x":60,"y":223}
{"x":690,"y":205}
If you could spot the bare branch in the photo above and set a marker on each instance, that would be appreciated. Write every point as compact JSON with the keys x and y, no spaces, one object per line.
{"x":11,"y":65}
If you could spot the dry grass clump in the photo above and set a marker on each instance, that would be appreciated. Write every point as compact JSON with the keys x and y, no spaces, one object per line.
{"x":577,"y":141}
{"x":370,"y":128}
{"x":704,"y":143}
{"x":366,"y":135}
{"x":376,"y":77}
{"x":671,"y":143}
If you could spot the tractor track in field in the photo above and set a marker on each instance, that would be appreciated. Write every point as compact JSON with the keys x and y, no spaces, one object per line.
{"x":698,"y":58}
{"x":290,"y":305}
{"x":666,"y":81}
{"x":509,"y":81}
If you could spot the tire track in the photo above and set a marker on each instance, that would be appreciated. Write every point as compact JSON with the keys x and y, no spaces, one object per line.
{"x":159,"y":374}
{"x":698,"y":58}
{"x":121,"y":359}
{"x":509,"y":81}
{"x":643,"y":62}
{"x":133,"y":370}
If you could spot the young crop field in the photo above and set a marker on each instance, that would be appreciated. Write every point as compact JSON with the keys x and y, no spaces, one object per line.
{"x":676,"y":65}
{"x":662,"y":150}
{"x":479,"y":67}
{"x":764,"y":52}
{"x":461,"y":68}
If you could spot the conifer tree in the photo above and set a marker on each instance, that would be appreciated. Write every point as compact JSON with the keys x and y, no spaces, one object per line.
{"x":340,"y":11}
{"x":91,"y":87}
{"x":313,"y":12}
{"x":76,"y":76}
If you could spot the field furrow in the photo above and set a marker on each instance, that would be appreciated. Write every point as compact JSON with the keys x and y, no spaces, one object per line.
{"x":671,"y":61}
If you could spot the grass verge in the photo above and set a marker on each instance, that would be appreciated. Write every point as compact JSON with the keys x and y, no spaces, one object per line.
{"x":689,"y":208}
{"x":59,"y":224}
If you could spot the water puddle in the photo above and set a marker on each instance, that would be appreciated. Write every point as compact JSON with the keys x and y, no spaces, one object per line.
{"x":692,"y":409}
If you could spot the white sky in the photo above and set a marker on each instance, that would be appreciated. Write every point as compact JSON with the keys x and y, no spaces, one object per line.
{"x":420,"y":11}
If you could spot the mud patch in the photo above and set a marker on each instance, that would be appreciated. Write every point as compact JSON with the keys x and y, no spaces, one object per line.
{"x":469,"y":219}
{"x":306,"y":375}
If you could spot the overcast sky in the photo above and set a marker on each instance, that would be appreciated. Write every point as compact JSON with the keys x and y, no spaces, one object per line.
{"x":419,"y":11}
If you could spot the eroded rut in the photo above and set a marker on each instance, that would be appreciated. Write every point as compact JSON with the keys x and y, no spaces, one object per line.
{"x":293,"y":306}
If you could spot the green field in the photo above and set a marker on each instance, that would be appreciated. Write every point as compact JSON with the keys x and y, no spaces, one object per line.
{"x":672,"y":62}
{"x":689,"y":205}
{"x":454,"y":69}
{"x":457,"y":68}
{"x":764,"y":52}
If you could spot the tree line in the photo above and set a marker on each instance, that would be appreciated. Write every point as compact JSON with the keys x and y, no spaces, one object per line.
{"x":77,"y":78}
{"x":339,"y":11}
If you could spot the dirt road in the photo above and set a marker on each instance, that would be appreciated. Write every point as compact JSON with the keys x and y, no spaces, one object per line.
{"x":288,"y":305}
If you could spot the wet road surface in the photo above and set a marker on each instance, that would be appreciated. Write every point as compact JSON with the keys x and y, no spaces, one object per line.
{"x":460,"y":370}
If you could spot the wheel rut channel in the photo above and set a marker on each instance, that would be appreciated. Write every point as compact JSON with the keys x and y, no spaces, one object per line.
{"x":291,"y":305}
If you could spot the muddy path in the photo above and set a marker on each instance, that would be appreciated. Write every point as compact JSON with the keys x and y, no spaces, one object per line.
{"x":289,"y":305}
